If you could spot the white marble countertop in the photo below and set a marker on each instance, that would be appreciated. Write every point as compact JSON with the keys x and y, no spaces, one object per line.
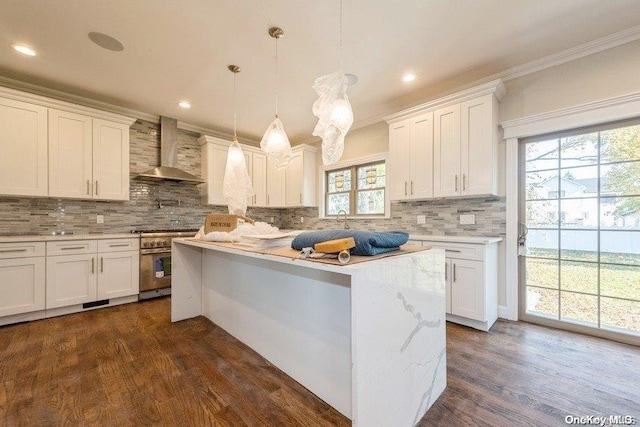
{"x":49,"y":238}
{"x":484,"y":240}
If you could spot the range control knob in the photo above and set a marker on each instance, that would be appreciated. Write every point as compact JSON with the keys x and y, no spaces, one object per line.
{"x":166,"y":243}
{"x":145,"y":244}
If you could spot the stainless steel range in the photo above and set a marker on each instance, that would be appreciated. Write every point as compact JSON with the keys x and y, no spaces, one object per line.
{"x":155,"y":261}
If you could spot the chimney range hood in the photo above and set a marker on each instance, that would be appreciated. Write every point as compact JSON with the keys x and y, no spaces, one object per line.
{"x":167,"y":170}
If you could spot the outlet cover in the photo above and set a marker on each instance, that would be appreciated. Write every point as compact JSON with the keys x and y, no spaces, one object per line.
{"x":301,"y":219}
{"x":421,"y":219}
{"x":99,"y":219}
{"x":467,"y":219}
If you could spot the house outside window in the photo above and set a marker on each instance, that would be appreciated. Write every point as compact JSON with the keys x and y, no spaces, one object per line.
{"x":358,"y":189}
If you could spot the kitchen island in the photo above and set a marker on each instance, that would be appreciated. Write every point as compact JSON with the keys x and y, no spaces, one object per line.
{"x":367,"y":338}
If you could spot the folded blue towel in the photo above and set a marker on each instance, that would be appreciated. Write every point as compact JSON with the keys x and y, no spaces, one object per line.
{"x":367,"y":242}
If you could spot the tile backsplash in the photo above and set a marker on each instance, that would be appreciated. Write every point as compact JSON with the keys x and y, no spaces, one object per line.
{"x":173,"y":205}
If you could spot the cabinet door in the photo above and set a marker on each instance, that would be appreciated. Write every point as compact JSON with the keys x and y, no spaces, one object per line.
{"x":118,"y":274}
{"x":248,"y":160}
{"x":71,"y":279}
{"x":399,"y":160}
{"x":214,"y":162}
{"x":446,"y":151}
{"x":110,"y":160}
{"x":23,"y":144}
{"x":477,"y":149}
{"x":259,"y":179}
{"x":467,"y":289}
{"x":294,"y":181}
{"x":421,"y":157}
{"x":70,"y":155}
{"x":275,"y":186}
{"x":22,"y":285}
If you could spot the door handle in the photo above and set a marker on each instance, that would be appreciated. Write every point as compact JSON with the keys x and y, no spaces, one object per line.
{"x":268,"y":199}
{"x":69,"y":248}
{"x":96,"y":187}
{"x":464,"y":182}
{"x":405,"y":188}
{"x":101,"y":264}
{"x":88,"y":186}
{"x":300,"y":198}
{"x":7,"y":251}
{"x":454,"y":271}
{"x":446,"y":267}
{"x":412,"y":187}
{"x":93,"y":265}
{"x":456,"y":182}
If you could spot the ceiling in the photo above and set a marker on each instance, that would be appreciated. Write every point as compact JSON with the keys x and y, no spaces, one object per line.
{"x":179,"y":50}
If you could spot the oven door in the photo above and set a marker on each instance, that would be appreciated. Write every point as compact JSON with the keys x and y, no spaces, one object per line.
{"x":155,"y":269}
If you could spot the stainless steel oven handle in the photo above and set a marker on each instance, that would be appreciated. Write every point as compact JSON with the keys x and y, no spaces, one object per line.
{"x":155,"y":251}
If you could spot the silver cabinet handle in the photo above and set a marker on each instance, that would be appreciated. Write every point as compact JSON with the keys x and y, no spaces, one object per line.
{"x":69,"y":248}
{"x":93,"y":265}
{"x":268,"y":199}
{"x":454,"y":271}
{"x":96,"y":187}
{"x":405,"y":188}
{"x":411,"y":187}
{"x":446,"y":267}
{"x":453,"y":250}
{"x":88,"y":186}
{"x":300,"y":198}
{"x":464,"y":182}
{"x":7,"y":251}
{"x":101,"y":264}
{"x":456,"y":182}
{"x":119,"y":245}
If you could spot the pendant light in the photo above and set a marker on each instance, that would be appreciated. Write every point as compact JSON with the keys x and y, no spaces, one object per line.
{"x":236,"y":185}
{"x":275,"y":142}
{"x":333,"y":109}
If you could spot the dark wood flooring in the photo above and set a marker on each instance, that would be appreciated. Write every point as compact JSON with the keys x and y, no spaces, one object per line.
{"x":129,"y":366}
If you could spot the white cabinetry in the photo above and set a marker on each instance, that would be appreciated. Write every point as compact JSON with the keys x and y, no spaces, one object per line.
{"x":22,"y":278}
{"x":465,"y":148}
{"x":300,"y":177}
{"x":411,"y":158}
{"x":88,"y":158}
{"x":82,"y":271}
{"x":53,"y":148}
{"x":293,"y":186}
{"x":446,"y":147}
{"x":23,"y":144}
{"x":471,"y":277}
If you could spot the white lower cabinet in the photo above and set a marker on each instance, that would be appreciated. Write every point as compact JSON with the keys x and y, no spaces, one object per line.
{"x":22,"y":278}
{"x":471,"y":280}
{"x":82,"y":271}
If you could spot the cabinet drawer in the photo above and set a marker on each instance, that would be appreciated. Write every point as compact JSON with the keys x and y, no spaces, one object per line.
{"x":72,"y":247}
{"x":118,"y":245}
{"x":459,"y":250}
{"x":21,"y":249}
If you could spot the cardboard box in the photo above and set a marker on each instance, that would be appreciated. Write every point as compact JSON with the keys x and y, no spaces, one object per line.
{"x":224,"y":222}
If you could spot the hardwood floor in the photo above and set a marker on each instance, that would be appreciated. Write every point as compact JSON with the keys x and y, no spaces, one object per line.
{"x":129,"y":366}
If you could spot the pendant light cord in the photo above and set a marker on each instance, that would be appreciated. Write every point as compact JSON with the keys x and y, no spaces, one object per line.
{"x":276,"y":77}
{"x":340,"y":43}
{"x":235,"y":136}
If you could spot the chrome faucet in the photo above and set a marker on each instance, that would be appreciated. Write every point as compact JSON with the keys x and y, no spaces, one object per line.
{"x":342,"y":211}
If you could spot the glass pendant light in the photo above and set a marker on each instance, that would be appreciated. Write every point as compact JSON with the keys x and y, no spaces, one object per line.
{"x":275,"y":142}
{"x":333,"y":109}
{"x":236,"y":185}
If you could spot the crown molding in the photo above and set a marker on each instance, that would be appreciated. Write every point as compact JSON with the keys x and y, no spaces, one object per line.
{"x":607,"y":110}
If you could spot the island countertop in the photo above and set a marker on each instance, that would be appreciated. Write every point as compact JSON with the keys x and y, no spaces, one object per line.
{"x":367,"y":338}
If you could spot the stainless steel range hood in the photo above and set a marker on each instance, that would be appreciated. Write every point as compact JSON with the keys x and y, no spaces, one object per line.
{"x":169,"y":155}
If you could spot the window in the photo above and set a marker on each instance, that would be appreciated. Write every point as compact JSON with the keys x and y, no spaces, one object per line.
{"x":358,"y":190}
{"x":582,"y":258}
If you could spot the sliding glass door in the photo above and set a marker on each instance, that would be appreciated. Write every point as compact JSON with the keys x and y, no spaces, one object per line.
{"x":580,"y":242}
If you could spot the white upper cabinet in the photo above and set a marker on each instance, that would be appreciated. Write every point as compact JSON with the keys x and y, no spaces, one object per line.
{"x":454,"y":154}
{"x":411,"y":158}
{"x":23,"y":144}
{"x":300,"y":177}
{"x":276,"y":182}
{"x":257,"y":167}
{"x":53,"y":148}
{"x":88,"y":158}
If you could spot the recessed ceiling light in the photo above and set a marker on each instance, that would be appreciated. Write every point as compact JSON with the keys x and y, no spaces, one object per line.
{"x":106,"y":42}
{"x":184,"y":104}
{"x":407,"y":78}
{"x":24,"y":50}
